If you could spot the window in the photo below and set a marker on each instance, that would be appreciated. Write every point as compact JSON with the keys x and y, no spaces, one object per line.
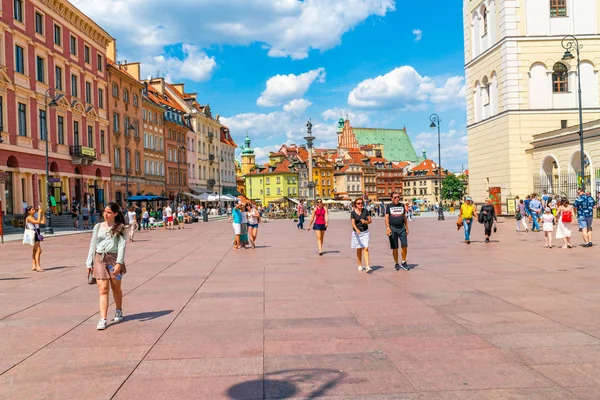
{"x":126,"y":125}
{"x":88,"y":92}
{"x":115,"y":90}
{"x":144,"y":115}
{"x":19,"y":60}
{"x":560,"y":78}
{"x":19,"y":10}
{"x":135,"y":100}
{"x":90,"y":136}
{"x":100,"y":98}
{"x":61,"y":129}
{"x":102,"y":142}
{"x":127,"y":159}
{"x":41,"y":67}
{"x":59,"y":80}
{"x":125,"y":95}
{"x":100,"y":62}
{"x":137,"y":161}
{"x":57,"y":35}
{"x":22,"y":111}
{"x":136,"y":132}
{"x":117,"y":157}
{"x":76,"y":133}
{"x":74,"y":85}
{"x":73,"y":45}
{"x":115,"y":122}
{"x":558,"y":8}
{"x":42,"y":124}
{"x":86,"y":54}
{"x":485,"y":20}
{"x":39,"y":23}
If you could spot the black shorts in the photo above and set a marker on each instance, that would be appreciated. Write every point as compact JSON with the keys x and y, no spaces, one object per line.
{"x":398,"y":234}
{"x":84,"y":218}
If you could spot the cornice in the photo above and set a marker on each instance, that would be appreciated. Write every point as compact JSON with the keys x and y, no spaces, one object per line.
{"x":79,"y":20}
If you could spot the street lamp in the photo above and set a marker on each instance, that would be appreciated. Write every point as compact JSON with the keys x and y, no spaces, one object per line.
{"x":435,"y":122}
{"x":180,"y":147}
{"x":221,"y":160}
{"x":127,"y":158}
{"x":570,"y":43}
{"x":53,"y":102}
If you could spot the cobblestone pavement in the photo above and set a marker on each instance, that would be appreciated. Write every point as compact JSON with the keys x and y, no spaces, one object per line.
{"x":505,"y":320}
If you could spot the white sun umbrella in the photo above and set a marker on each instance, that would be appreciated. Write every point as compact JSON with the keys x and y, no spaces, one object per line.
{"x":228,"y":197}
{"x":214,"y":197}
{"x":204,"y":197}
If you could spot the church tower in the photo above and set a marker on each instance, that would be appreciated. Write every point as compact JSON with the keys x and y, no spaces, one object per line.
{"x":248,"y":157}
{"x":519,"y":84}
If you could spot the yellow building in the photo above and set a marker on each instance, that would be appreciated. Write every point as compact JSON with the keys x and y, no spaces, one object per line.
{"x":323,"y":178}
{"x":422,"y":183}
{"x":268,"y":184}
{"x":519,"y":86}
{"x":248,"y":157}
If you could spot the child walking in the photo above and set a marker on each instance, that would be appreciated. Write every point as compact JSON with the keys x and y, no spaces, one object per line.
{"x":548,"y":221}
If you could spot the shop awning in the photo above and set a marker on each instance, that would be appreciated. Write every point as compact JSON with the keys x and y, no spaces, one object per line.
{"x":231,"y":191}
{"x":199,"y":190}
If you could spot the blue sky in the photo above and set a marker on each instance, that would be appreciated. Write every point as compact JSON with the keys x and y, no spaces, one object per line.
{"x":266,"y":66}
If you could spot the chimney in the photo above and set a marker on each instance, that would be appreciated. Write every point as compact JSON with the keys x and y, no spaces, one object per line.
{"x":179,"y":87}
{"x":159,"y":85}
{"x":133,"y":69}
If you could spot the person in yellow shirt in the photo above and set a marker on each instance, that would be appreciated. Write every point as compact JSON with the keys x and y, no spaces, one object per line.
{"x":467,"y":212}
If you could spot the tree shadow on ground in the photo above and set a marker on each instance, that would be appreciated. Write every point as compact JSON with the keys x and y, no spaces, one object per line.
{"x":146,"y":316}
{"x":285,"y":384}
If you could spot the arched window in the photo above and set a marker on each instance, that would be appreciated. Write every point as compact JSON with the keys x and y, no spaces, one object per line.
{"x":558,"y":8}
{"x":560,"y":78}
{"x":485,"y":21}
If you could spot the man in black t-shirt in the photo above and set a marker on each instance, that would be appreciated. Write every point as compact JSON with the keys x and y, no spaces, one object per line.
{"x":396,"y":223}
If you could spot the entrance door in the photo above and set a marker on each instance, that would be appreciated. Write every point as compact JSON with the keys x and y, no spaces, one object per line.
{"x":56,"y":191}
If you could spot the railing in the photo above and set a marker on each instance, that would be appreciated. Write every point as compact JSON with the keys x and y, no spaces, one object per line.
{"x":210,"y":137}
{"x":82,"y":151}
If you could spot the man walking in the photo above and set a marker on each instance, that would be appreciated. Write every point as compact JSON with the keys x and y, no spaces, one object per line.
{"x":584,"y":204}
{"x":169,"y":215}
{"x":396,"y":224}
{"x":536,"y":210}
{"x":467,"y":211}
{"x":301,"y":213}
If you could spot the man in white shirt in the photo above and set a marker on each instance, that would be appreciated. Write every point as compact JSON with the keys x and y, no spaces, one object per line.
{"x":169,"y":213}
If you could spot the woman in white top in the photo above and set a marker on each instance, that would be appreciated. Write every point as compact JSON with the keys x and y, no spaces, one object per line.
{"x":253,"y":221}
{"x":564,"y":217}
{"x":132,"y":222}
{"x":106,"y":260}
{"x":31,"y":222}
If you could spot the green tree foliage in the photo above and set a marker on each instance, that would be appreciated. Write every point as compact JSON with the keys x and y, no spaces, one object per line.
{"x":452,"y":188}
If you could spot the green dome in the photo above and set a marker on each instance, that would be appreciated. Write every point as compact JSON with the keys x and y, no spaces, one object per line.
{"x":248,"y":150}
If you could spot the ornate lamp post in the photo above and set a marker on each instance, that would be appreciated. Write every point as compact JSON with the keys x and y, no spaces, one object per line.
{"x":309,"y":143}
{"x":129,"y":128}
{"x":49,"y":230}
{"x":435,"y":122}
{"x":570,"y":43}
{"x":180,"y":147}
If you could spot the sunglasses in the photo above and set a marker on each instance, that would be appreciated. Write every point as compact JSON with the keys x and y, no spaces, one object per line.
{"x":360,"y":203}
{"x":395,"y":197}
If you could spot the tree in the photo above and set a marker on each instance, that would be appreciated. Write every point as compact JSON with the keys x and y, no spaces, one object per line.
{"x":452,"y":188}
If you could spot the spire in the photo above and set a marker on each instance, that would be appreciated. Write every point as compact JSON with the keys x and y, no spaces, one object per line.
{"x":424,"y":154}
{"x":248,"y":150}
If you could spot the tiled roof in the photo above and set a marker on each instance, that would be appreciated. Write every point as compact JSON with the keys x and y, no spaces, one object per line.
{"x":167,"y":99}
{"x":396,"y":143}
{"x":117,"y":67}
{"x":226,"y":137}
{"x":429,"y":166}
{"x":280,"y":168}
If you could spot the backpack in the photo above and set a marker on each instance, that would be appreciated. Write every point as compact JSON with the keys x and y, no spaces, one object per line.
{"x":567,"y":216}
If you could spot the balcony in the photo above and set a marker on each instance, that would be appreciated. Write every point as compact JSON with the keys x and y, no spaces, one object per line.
{"x":210,"y":137}
{"x":211,"y":158}
{"x":82,"y":155}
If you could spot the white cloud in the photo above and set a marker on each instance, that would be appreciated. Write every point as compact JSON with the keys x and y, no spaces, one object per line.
{"x":297,"y":106}
{"x":418,"y":35}
{"x":404,"y":88}
{"x":356,"y":118}
{"x":284,"y":27}
{"x":262,"y":153}
{"x":196,"y":65}
{"x":281,"y":88}
{"x":453,"y":145}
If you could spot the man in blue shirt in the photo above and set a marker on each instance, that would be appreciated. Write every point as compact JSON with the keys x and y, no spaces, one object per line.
{"x":584,"y":205}
{"x":536,"y":210}
{"x":545,"y":199}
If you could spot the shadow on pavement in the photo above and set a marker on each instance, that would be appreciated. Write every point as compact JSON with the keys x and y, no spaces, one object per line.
{"x":331,"y":252}
{"x":146,"y":316}
{"x":376,"y":267}
{"x":12,"y":279}
{"x":54,"y":268}
{"x":285,"y":384}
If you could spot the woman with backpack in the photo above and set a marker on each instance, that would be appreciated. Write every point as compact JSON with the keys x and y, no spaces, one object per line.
{"x":564,"y":215}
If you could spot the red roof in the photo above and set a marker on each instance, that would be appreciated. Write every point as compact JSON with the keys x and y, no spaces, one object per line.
{"x":429,"y":166}
{"x":167,"y":99}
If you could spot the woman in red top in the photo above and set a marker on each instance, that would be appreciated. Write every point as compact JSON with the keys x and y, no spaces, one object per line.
{"x":320,"y":217}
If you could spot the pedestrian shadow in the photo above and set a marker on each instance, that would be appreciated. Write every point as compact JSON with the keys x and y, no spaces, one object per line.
{"x":331,"y":252}
{"x":412,"y":266}
{"x":143,"y":240}
{"x":12,"y":279}
{"x":283,"y":384}
{"x":146,"y":316}
{"x":376,"y":267}
{"x":261,"y":247}
{"x":54,"y":268}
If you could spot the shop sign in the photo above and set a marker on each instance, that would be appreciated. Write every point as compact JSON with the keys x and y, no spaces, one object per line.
{"x":88,"y":151}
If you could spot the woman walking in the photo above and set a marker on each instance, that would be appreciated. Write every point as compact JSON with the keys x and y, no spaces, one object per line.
{"x":548,"y":222}
{"x":467,"y":212}
{"x":564,"y":216}
{"x":320,"y":217}
{"x":521,"y":216}
{"x":145,"y":218}
{"x":360,"y":219}
{"x":244,"y":227}
{"x":236,"y":216}
{"x":253,"y":221}
{"x":132,"y":222}
{"x":106,"y":261}
{"x":487,"y":217}
{"x":31,"y":222}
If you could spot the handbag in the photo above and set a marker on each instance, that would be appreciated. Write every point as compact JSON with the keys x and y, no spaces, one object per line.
{"x":91,"y":279}
{"x":459,"y":223}
{"x":495,"y":228}
{"x":518,"y":216}
{"x":29,"y":237}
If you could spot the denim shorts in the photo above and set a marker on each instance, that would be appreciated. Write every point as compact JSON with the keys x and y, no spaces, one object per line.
{"x":585,"y":223}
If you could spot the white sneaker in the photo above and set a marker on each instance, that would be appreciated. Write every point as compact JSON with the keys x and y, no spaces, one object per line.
{"x":101,"y":325}
{"x":118,"y":316}
{"x":369,"y":269}
{"x":360,"y":268}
